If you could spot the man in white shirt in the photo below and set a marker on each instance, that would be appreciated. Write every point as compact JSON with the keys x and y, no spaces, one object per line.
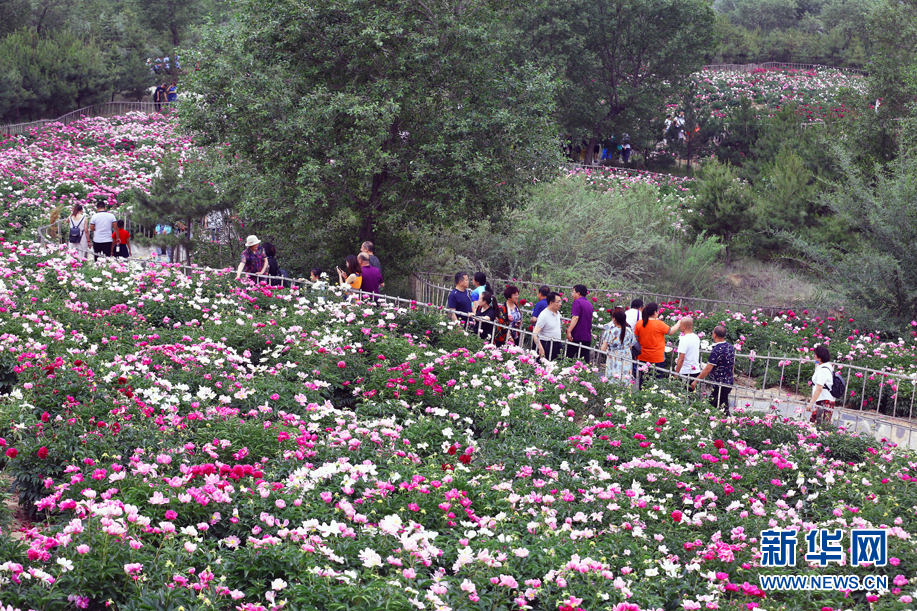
{"x":548,"y":328}
{"x":633,"y":314}
{"x":102,"y":225}
{"x":688,"y":363}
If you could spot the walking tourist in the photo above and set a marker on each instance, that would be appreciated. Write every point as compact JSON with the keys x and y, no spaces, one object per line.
{"x":547,"y":328}
{"x":510,"y":316}
{"x":485,"y":313}
{"x":372,"y":277}
{"x":370,"y":250}
{"x":633,"y":314}
{"x":822,"y":403}
{"x":617,"y":340}
{"x":480,"y":285}
{"x":122,"y":240}
{"x":460,"y":299}
{"x":159,"y":96}
{"x":719,"y":369}
{"x":579,"y":329}
{"x":77,"y":239}
{"x":651,"y":332}
{"x":101,"y":225}
{"x":271,"y":267}
{"x":253,"y":258}
{"x":688,"y":363}
{"x":543,"y":293}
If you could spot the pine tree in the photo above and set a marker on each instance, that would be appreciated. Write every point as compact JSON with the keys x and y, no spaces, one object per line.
{"x":179,"y":196}
{"x":723,"y":207}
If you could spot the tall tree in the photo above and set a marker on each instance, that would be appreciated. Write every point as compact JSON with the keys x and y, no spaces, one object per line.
{"x":399,"y":113}
{"x":171,"y":17}
{"x":619,"y":59}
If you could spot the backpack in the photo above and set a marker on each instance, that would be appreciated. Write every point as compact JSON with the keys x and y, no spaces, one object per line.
{"x":76,"y":234}
{"x":838,"y":389}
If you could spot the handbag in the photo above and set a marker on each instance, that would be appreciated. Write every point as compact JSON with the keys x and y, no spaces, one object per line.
{"x":635,"y":348}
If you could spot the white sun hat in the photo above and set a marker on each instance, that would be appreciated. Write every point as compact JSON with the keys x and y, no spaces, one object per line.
{"x":252,"y":240}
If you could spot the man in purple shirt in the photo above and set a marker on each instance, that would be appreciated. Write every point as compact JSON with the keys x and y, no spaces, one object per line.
{"x":372,"y":277}
{"x":579,"y":330}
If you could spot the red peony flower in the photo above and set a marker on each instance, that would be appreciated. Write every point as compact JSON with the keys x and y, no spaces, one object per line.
{"x":464,"y":459}
{"x":42,"y":452}
{"x":718,"y":444}
{"x":452,"y":450}
{"x":77,"y":362}
{"x":12,"y":452}
{"x":676,"y":516}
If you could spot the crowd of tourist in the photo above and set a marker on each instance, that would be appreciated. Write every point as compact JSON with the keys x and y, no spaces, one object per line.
{"x":103,"y":232}
{"x":633,"y":342}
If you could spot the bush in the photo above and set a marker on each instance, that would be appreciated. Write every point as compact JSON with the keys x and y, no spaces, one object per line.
{"x":571,"y":233}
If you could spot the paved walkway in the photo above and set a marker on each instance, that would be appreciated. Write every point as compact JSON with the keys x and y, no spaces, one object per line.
{"x":865,"y":423}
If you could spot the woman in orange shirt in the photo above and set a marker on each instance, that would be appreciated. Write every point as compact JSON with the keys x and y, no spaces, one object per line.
{"x":651,"y":333}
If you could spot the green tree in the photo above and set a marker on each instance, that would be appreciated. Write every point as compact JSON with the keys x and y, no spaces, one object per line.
{"x":56,"y":73}
{"x":182,"y":195}
{"x":619,"y":59}
{"x":395,"y":115}
{"x":723,"y":206}
{"x":881,"y":271}
{"x":171,"y":18}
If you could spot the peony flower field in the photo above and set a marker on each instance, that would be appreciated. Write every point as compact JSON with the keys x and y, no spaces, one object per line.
{"x":84,"y":162}
{"x":817,"y":94}
{"x":185,"y":440}
{"x":180,"y":440}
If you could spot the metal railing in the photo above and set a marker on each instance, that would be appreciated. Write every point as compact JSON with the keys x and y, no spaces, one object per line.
{"x":105,"y":109}
{"x":769,"y":383}
{"x":780,"y":66}
{"x":435,"y":288}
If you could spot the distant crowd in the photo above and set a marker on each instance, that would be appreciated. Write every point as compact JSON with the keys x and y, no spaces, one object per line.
{"x":634,"y":342}
{"x":635,"y":335}
{"x":165,"y":93}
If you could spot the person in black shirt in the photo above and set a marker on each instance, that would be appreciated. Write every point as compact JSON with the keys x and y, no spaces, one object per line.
{"x":273,"y":269}
{"x":485,"y":312}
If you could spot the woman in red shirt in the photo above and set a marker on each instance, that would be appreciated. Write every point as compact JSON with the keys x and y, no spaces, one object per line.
{"x":651,"y":333}
{"x":121,"y":238}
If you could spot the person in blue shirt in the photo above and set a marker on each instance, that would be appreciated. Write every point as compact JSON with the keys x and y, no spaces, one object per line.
{"x":459,"y":299}
{"x":173,"y":92}
{"x":543,"y":292}
{"x":480,"y":285}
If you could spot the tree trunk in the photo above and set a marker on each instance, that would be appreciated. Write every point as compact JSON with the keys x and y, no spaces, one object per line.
{"x":367,"y":231}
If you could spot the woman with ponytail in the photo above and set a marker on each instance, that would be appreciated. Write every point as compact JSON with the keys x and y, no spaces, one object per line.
{"x":617,"y":340}
{"x":485,"y":312}
{"x":651,"y":332}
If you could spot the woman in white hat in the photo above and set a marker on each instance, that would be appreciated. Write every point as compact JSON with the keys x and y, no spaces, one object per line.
{"x":253,"y":259}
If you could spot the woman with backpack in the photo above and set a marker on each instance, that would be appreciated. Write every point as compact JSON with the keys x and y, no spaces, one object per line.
{"x":78,"y":238}
{"x":826,"y":387}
